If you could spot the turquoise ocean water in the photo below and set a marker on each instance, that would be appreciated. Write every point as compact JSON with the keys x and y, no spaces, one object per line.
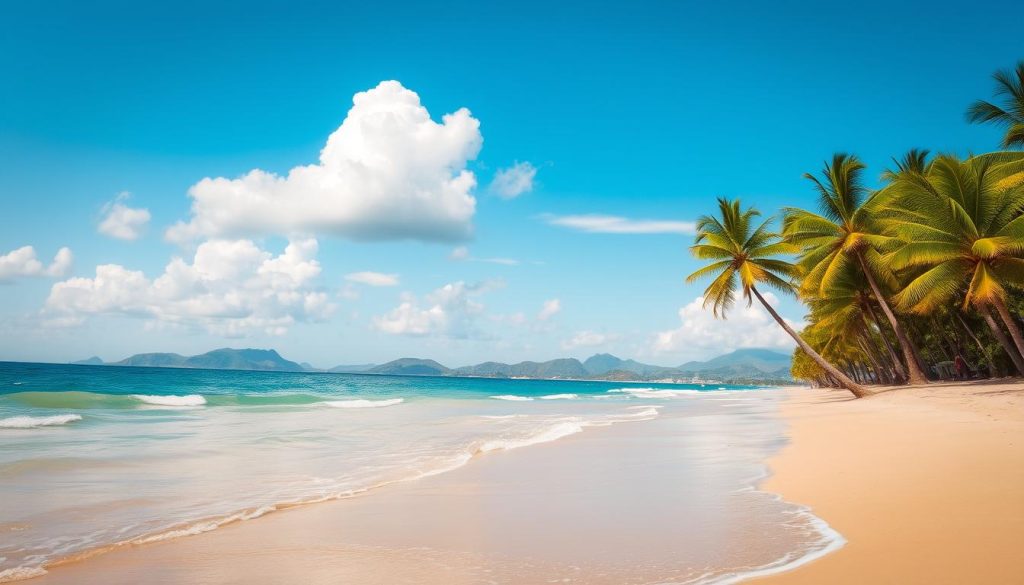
{"x":94,"y":457}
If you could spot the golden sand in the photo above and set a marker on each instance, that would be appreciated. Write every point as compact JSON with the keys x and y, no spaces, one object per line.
{"x":926,"y":484}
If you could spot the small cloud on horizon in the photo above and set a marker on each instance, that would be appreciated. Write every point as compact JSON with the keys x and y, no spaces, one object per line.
{"x":461,"y":254}
{"x":370,"y":278}
{"x":23,"y":262}
{"x":513,"y":181}
{"x":613,"y":224}
{"x":551,"y":308}
{"x":122,"y":222}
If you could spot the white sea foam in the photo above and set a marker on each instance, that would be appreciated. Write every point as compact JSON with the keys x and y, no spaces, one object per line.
{"x":19,"y":573}
{"x":559,"y":397}
{"x":552,"y":433}
{"x":830,"y":541}
{"x":642,"y":412}
{"x":512,"y":397}
{"x":202,"y":527}
{"x":363,"y":403}
{"x":31,"y":422}
{"x":655,"y":392}
{"x":171,"y":400}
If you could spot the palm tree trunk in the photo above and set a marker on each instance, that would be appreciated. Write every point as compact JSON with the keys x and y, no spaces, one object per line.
{"x":1011,"y":324}
{"x":1015,"y":357}
{"x":844,"y":380}
{"x":981,"y":347}
{"x":914,"y":373}
{"x":901,"y":373}
{"x":880,"y":373}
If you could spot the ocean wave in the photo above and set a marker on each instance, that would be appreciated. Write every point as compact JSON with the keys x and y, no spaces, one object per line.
{"x":829,"y":540}
{"x":31,"y":422}
{"x":202,"y":527}
{"x":644,"y":412}
{"x":512,"y":397}
{"x":19,"y":573}
{"x":171,"y":400}
{"x":560,"y":397}
{"x":552,"y":433}
{"x":74,"y":399}
{"x":655,"y":392}
{"x":363,"y":403}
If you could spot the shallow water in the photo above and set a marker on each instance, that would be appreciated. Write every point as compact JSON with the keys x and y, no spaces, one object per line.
{"x":93,"y":457}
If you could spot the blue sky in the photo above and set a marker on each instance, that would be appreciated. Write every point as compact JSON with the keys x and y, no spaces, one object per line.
{"x":640,"y":111}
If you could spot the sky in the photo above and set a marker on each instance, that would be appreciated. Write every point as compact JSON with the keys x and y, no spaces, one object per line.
{"x":355,"y":182}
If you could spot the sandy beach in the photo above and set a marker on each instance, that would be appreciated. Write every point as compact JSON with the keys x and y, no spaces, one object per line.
{"x":924,"y":485}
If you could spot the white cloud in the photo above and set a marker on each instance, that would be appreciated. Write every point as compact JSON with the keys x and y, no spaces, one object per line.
{"x":746,"y":327}
{"x":612,"y":224}
{"x":372,"y":278}
{"x":551,"y":308}
{"x":461,"y":254}
{"x":450,"y":311}
{"x":514,"y":181}
{"x":231,"y":288}
{"x":388,"y":172}
{"x":123,"y":222}
{"x":23,"y":262}
{"x":588,"y":339}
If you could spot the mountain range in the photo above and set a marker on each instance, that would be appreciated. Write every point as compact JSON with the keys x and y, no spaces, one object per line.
{"x":218,"y":359}
{"x":743,"y":365}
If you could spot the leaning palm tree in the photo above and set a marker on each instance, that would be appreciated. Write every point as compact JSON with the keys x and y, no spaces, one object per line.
{"x":745,"y":255}
{"x":961,"y":230}
{"x":845,"y":238}
{"x":1010,"y":87}
{"x":845,"y":316}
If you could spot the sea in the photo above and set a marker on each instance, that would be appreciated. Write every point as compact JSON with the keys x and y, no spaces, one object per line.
{"x":93,"y":458}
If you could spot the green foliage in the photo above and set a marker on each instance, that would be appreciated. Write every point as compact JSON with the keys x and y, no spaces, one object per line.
{"x":1010,"y":115}
{"x":745,"y":255}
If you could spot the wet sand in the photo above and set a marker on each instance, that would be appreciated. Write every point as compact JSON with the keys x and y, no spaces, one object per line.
{"x":926,"y":484}
{"x":631,"y":503}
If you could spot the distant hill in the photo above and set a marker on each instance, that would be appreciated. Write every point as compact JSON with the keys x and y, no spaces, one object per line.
{"x":93,"y":361}
{"x":243,"y":359}
{"x":559,"y":368}
{"x":764,"y":360}
{"x":154,"y":360}
{"x":410,"y":367}
{"x":218,"y":359}
{"x":605,"y":363}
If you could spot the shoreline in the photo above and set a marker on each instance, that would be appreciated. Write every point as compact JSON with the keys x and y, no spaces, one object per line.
{"x":924,"y":483}
{"x":522,"y":516}
{"x":872,"y":475}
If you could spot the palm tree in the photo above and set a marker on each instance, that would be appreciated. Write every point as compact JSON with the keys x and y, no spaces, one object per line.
{"x":1010,"y":87}
{"x":845,"y":316}
{"x":845,"y":234}
{"x":744,"y":255}
{"x":960,"y":226}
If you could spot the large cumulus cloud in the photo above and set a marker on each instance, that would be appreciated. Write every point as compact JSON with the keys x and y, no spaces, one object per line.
{"x":388,"y":172}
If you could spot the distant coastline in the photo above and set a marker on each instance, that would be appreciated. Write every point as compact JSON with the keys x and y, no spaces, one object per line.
{"x":743,"y":366}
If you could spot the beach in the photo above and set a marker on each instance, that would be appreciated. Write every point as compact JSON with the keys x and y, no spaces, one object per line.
{"x":922,"y":484}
